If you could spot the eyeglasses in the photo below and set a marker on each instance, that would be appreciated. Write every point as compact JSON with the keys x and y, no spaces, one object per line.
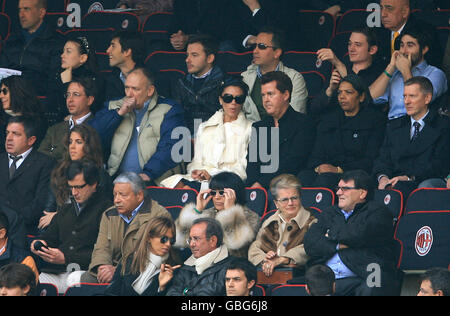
{"x":194,"y":239}
{"x":165,"y":239}
{"x":345,"y":189}
{"x":228,"y":98}
{"x":75,"y":95}
{"x":286,"y":200}
{"x":77,"y":187}
{"x":214,"y":192}
{"x":262,"y":46}
{"x":4,"y":91}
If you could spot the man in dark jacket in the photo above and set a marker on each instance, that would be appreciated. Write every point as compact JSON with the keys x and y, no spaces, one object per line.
{"x":355,"y":239}
{"x":198,"y":91}
{"x":70,"y":238}
{"x":203,"y":274}
{"x":35,"y":49}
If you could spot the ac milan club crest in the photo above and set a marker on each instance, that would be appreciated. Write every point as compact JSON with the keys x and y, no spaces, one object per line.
{"x":424,"y":241}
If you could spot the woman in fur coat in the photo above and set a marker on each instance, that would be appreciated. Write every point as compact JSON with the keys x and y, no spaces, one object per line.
{"x":239,"y":223}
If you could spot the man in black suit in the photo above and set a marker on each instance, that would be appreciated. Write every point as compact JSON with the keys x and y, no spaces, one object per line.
{"x":24,"y":172}
{"x":416,"y":149}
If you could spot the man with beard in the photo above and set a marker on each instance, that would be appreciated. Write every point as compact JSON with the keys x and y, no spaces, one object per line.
{"x":406,"y":63}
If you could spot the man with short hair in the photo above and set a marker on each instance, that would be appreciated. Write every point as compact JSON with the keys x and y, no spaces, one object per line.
{"x":320,"y":281}
{"x":240,"y":278}
{"x":354,"y":239}
{"x":35,"y":49}
{"x":406,"y":63}
{"x":80,"y":96}
{"x":296,"y":134}
{"x":139,"y":129}
{"x":126,"y":52}
{"x":268,"y":49}
{"x":203,"y":274}
{"x":435,"y":282}
{"x":121,"y":226}
{"x":24,"y":172}
{"x":70,"y":238}
{"x":417,"y":146}
{"x":198,"y":91}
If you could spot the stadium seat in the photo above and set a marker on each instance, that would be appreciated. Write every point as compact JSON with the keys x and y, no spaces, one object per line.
{"x":290,"y":290}
{"x":5,"y":26}
{"x":119,"y":21}
{"x":352,"y":19}
{"x":393,"y":199}
{"x":158,"y":23}
{"x":315,"y":82}
{"x":234,"y":63}
{"x":307,"y":62}
{"x":339,"y":44}
{"x":266,"y":215}
{"x":99,"y":38}
{"x":258,"y":290}
{"x":46,"y":289}
{"x":438,"y":18}
{"x":86,"y":289}
{"x":174,"y":211}
{"x":257,"y":200}
{"x":315,"y":29}
{"x":58,"y":20}
{"x":317,"y":198}
{"x":428,"y":200}
{"x":172,"y":197}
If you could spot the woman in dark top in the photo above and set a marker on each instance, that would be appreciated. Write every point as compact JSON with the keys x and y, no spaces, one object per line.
{"x":348,"y":138}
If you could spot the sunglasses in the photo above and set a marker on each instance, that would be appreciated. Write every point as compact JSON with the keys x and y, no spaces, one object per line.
{"x":4,"y":91}
{"x":165,"y":239}
{"x":262,"y":46}
{"x":214,"y":192}
{"x":228,"y":98}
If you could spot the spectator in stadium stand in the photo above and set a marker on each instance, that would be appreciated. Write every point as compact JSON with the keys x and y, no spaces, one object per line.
{"x":80,"y":95}
{"x":348,"y":138}
{"x":24,"y":172}
{"x":280,"y":239}
{"x":267,"y":51}
{"x":198,"y":91}
{"x":70,"y":238}
{"x":126,"y":52}
{"x":241,"y":277}
{"x":121,"y":227}
{"x":145,"y":7}
{"x":408,"y":62}
{"x":295,"y":133}
{"x":203,"y":274}
{"x":149,"y":270}
{"x":435,"y":282}
{"x":221,"y":143}
{"x":35,"y":48}
{"x":240,"y":224}
{"x":320,"y":281}
{"x":18,"y":97}
{"x":17,"y":279}
{"x":416,"y":147}
{"x":355,"y":237}
{"x":82,"y":143}
{"x":362,"y":53}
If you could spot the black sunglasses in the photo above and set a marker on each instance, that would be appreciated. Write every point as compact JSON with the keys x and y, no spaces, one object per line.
{"x":228,"y":98}
{"x":165,"y":239}
{"x":213,"y":193}
{"x":4,"y":91}
{"x":262,"y":46}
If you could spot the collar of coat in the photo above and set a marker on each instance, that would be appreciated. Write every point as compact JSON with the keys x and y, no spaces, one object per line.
{"x":223,"y":254}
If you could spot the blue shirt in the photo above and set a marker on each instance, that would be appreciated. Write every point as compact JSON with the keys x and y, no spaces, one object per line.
{"x":335,"y":263}
{"x":395,"y":89}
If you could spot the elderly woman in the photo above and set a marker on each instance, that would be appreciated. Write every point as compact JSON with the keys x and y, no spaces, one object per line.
{"x":280,"y":239}
{"x":221,"y":143}
{"x":240,"y":224}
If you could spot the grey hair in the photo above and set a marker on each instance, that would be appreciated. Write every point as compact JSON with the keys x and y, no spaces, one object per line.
{"x":137,"y":184}
{"x":285,"y":181}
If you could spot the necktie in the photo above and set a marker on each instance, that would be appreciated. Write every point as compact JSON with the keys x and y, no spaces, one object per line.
{"x":416,"y":131}
{"x":396,"y":34}
{"x":13,"y":167}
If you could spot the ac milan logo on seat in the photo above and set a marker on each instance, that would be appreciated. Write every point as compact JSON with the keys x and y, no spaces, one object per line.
{"x":322,"y":20}
{"x":319,"y":197}
{"x":424,"y":240}
{"x":96,"y":6}
{"x":253,"y":196}
{"x":125,"y":24}
{"x":184,"y":198}
{"x":387,"y":199}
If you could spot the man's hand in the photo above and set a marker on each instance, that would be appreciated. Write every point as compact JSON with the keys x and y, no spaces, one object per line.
{"x":105,"y":273}
{"x":45,"y":220}
{"x":50,"y":255}
{"x":404,"y":65}
{"x":334,"y":10}
{"x":384,"y":181}
{"x":335,"y":80}
{"x":395,"y":180}
{"x":200,"y":175}
{"x":166,"y":275}
{"x":252,"y":4}
{"x":145,"y":177}
{"x":179,"y":40}
{"x":128,"y":105}
{"x":66,"y":75}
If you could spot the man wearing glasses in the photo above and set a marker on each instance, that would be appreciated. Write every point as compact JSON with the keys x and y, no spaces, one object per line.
{"x":70,"y":238}
{"x":355,"y":239}
{"x":267,"y":52}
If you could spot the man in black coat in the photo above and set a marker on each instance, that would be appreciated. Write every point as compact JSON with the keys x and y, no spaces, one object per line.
{"x":281,"y":143}
{"x":24,"y":172}
{"x":355,"y":239}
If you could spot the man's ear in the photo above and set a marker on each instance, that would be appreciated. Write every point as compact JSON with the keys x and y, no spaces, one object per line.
{"x":373,"y":50}
{"x":3,"y":233}
{"x":31,"y":140}
{"x":211,"y":58}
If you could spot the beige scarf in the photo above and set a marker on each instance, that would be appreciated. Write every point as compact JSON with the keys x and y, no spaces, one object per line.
{"x":203,"y":263}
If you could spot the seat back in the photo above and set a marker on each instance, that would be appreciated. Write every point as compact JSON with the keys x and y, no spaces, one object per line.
{"x":234,"y":63}
{"x":86,"y":289}
{"x":119,"y":21}
{"x":172,"y":197}
{"x":307,"y":61}
{"x":316,"y":29}
{"x":290,"y":290}
{"x":427,"y":199}
{"x":317,"y":198}
{"x":393,"y":199}
{"x":351,"y":20}
{"x":46,"y":289}
{"x":257,"y":200}
{"x":5,"y":26}
{"x":258,"y":290}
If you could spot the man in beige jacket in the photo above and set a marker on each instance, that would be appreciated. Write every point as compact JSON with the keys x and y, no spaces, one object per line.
{"x":266,"y":58}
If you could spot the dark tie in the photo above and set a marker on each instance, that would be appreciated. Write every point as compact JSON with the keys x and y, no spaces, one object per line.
{"x":416,"y":131}
{"x":13,"y":167}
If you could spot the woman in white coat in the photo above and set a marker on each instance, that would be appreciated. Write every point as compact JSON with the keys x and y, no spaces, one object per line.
{"x":221,"y":143}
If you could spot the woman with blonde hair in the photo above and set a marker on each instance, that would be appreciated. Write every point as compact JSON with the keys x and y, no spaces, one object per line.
{"x":149,"y":269}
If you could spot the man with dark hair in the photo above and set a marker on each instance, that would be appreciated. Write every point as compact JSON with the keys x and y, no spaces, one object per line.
{"x":17,"y":279}
{"x":320,"y":281}
{"x":287,"y":135}
{"x":35,"y":48}
{"x":126,"y":52}
{"x":70,"y":238}
{"x":198,"y":91}
{"x":435,"y":282}
{"x":355,"y":239}
{"x":24,"y":172}
{"x":241,"y":277}
{"x":267,"y":51}
{"x":417,"y":146}
{"x":203,"y":274}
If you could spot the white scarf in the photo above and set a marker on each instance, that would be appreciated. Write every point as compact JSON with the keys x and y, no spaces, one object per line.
{"x":146,"y":277}
{"x":203,"y":263}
